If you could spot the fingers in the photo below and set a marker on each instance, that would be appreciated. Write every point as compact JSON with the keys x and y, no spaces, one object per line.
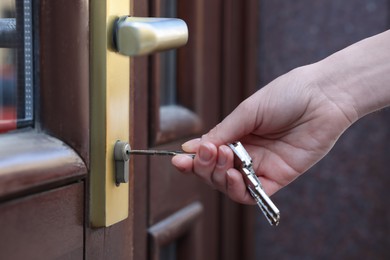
{"x":205,"y":161}
{"x":215,"y":167}
{"x":236,"y":188}
{"x":191,"y":146}
{"x":224,"y":162}
{"x":183,"y":163}
{"x":210,"y":163}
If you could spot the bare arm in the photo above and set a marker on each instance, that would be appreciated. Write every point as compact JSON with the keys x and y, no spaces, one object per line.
{"x":294,"y":121}
{"x":361,"y":71}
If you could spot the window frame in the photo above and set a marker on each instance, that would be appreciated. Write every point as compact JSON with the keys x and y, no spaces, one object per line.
{"x":56,"y":151}
{"x":187,"y":118}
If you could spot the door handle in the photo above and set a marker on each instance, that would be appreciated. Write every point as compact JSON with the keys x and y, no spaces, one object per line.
{"x":134,"y":36}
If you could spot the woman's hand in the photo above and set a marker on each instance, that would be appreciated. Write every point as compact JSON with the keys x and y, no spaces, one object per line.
{"x":294,"y":121}
{"x":286,"y":127}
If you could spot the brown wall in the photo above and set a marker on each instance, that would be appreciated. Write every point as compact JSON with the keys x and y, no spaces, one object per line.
{"x":339,"y":209}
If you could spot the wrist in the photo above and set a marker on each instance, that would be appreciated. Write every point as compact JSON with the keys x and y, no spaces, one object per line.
{"x":331,"y":83}
{"x":357,"y":78}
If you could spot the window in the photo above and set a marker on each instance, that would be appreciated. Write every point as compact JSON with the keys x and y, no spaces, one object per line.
{"x":168,"y":61}
{"x":175,"y":114}
{"x":16,"y":64}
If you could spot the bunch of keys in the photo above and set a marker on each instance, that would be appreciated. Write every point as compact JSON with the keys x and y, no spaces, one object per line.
{"x":270,"y":211}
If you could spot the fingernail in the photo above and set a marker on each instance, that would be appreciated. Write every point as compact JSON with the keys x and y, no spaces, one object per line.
{"x":205,"y":153}
{"x":178,"y":161}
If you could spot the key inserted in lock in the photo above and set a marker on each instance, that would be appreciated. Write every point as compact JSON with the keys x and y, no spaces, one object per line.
{"x":121,"y":157}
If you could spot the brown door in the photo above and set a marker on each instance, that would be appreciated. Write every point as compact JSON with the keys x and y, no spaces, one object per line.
{"x":45,"y":157}
{"x":179,"y":95}
{"x":182,"y":213}
{"x":44,"y":162}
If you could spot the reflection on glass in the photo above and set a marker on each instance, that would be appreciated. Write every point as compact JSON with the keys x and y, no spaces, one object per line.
{"x":7,"y":89}
{"x":16,"y":64}
{"x":168,"y":61}
{"x":168,"y":252}
{"x":7,"y":66}
{"x":168,"y":78}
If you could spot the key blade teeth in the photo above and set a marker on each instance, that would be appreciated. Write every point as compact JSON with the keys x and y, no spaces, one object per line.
{"x":270,"y":211}
{"x":268,"y":208}
{"x":160,"y":152}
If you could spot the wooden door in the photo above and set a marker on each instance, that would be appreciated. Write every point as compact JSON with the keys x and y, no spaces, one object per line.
{"x":45,"y":163}
{"x":177,"y":96}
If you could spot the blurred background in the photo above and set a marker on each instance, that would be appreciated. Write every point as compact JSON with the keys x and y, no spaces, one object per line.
{"x":8,"y":100}
{"x":340,"y":208}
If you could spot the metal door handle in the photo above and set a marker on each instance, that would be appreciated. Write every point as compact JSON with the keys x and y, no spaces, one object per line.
{"x":134,"y":36}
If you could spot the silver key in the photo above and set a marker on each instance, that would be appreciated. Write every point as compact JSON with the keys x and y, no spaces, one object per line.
{"x":270,"y":211}
{"x":159,"y":152}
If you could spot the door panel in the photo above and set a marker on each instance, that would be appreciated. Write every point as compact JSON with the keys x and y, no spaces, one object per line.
{"x":176,"y":235}
{"x":203,"y":89}
{"x":171,"y":192}
{"x":38,"y":227}
{"x":196,"y":107}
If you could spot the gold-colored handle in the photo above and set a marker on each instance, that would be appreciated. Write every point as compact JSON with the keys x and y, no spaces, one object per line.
{"x":134,"y":36}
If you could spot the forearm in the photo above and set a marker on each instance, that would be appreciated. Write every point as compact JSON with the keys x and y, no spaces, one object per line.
{"x":357,"y":78}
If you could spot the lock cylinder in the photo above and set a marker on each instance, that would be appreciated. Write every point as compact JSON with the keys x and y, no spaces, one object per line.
{"x":121,"y":157}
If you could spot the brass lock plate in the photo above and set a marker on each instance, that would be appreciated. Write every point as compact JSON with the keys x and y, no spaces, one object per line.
{"x":110,"y":101}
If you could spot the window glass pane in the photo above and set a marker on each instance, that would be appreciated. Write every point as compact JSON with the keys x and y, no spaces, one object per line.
{"x":16,"y":64}
{"x":176,"y":114}
{"x":169,"y":252}
{"x":168,"y":61}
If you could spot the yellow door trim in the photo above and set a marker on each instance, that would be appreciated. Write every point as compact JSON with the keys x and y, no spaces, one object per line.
{"x":110,"y":98}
